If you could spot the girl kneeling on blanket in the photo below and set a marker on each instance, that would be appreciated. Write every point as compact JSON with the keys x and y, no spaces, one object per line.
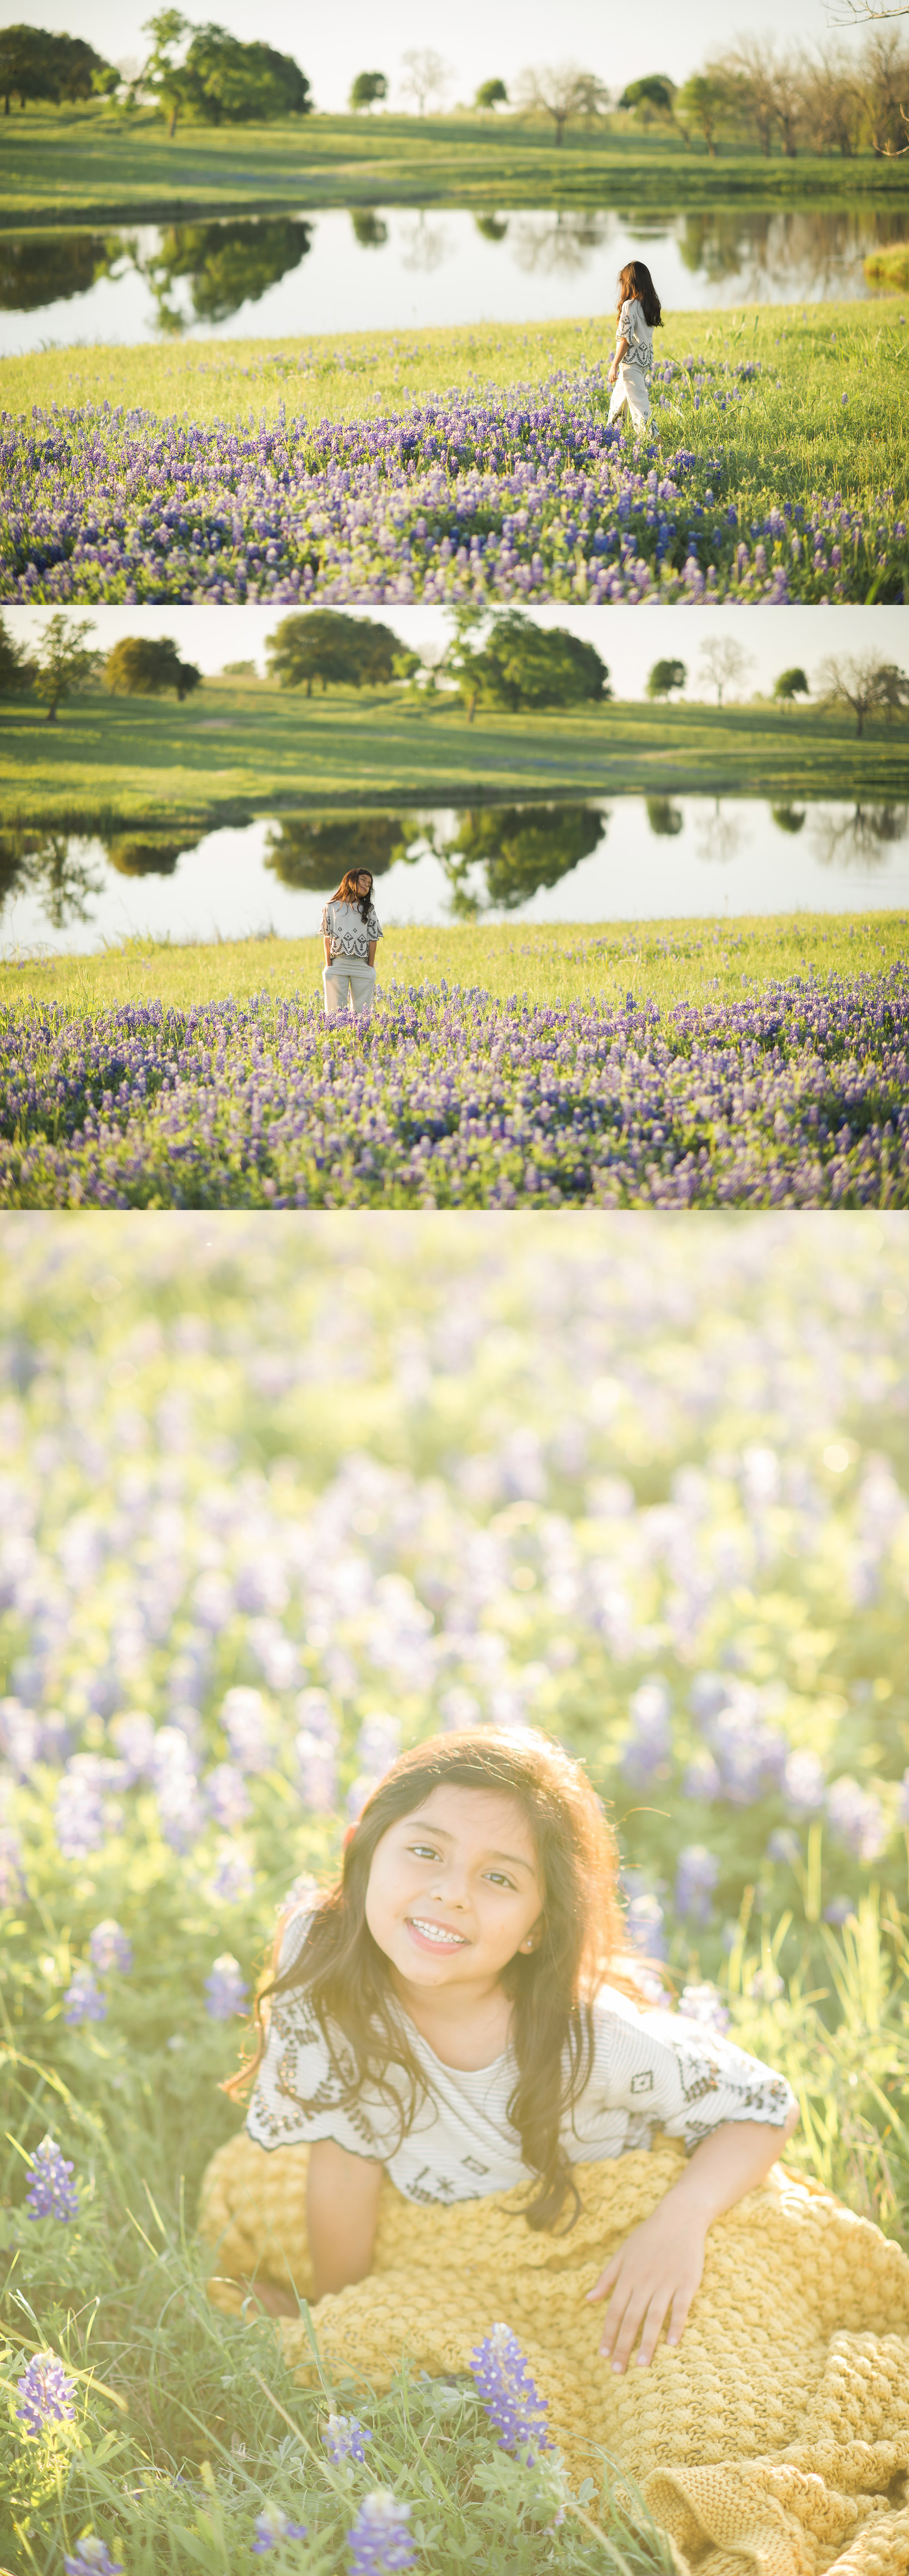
{"x":452,"y":2014}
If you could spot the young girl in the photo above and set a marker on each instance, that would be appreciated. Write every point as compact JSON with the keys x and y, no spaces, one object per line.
{"x":452,"y":2015}
{"x":639,"y":317}
{"x":351,"y":931}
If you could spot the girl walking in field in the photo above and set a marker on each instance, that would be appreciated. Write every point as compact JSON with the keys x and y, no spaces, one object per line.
{"x":351,"y":931}
{"x":639,"y":316}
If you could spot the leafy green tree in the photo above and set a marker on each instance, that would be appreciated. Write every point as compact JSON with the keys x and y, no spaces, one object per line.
{"x":702,"y":102}
{"x":324,"y":644}
{"x":35,"y":65}
{"x":141,"y":666}
{"x":522,"y":665}
{"x":16,"y":671}
{"x":367,"y":91}
{"x":238,"y":670}
{"x":65,"y":663}
{"x":664,"y":677}
{"x":655,"y":91}
{"x":491,"y":93}
{"x":312,"y":851}
{"x":791,"y":684}
{"x":218,"y":80}
{"x":520,"y":848}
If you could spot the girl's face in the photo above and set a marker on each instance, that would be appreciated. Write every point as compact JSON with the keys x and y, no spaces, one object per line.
{"x":364,"y":883}
{"x":454,"y":1888}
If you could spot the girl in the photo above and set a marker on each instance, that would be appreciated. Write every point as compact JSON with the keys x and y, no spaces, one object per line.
{"x":351,"y":931}
{"x":451,"y":2014}
{"x":639,"y":317}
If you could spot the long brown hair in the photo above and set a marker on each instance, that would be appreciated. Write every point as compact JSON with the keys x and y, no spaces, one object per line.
{"x":345,"y":1974}
{"x":635,"y":280}
{"x":349,"y":890}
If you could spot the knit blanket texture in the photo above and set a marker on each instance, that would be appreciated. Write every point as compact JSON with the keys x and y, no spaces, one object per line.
{"x":773,"y":2441}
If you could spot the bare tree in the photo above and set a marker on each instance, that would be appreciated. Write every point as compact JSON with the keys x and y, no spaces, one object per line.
{"x":831,"y":107}
{"x":562,"y":91}
{"x":867,"y":686}
{"x":426,"y":77}
{"x":724,"y":663}
{"x":863,"y":13}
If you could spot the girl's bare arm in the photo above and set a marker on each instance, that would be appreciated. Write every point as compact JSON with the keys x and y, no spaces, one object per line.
{"x":621,"y":346}
{"x":342,"y":2206}
{"x":659,"y":2267}
{"x":373,"y":945}
{"x":326,"y":943}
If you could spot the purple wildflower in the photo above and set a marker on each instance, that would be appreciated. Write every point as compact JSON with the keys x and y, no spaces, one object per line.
{"x":705,"y":2005}
{"x":78,"y":1809}
{"x":92,"y":2557}
{"x":134,"y":1736}
{"x":12,"y":1873}
{"x":245,"y":1720}
{"x":228,"y":1795}
{"x":177,"y":1788}
{"x":52,"y":2194}
{"x":109,"y":1947}
{"x":803,"y":1782}
{"x":649,"y":1744}
{"x":379,"y":2540}
{"x":273,"y":2527}
{"x":508,"y":2394}
{"x":345,"y":2438}
{"x":857,"y":1817}
{"x":696,"y":1877}
{"x":225,"y":1989}
{"x":46,"y":2392}
{"x":231,"y":1882}
{"x":83,"y":2000}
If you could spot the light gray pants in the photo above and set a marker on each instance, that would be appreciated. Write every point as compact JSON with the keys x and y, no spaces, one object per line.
{"x":630,"y":389}
{"x":349,"y":986}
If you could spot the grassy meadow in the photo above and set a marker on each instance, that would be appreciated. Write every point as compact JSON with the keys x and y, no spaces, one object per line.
{"x":242,"y":746}
{"x":87,"y":162}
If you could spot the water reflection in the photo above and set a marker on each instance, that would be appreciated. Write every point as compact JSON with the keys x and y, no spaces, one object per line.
{"x":788,"y":818}
{"x":516,"y":849}
{"x":664,"y":818}
{"x":41,"y":268}
{"x":57,"y":866}
{"x":369,"y":229}
{"x":860,"y":839}
{"x":720,"y":835}
{"x":225,"y":265}
{"x":542,"y":244}
{"x":313,"y":850}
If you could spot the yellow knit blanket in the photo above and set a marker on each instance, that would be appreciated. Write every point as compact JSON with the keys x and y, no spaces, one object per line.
{"x":773,"y":2442}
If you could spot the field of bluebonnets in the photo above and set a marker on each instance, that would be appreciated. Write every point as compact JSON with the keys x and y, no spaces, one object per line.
{"x":796,"y":1095}
{"x":477,"y":495}
{"x":274,"y":1505}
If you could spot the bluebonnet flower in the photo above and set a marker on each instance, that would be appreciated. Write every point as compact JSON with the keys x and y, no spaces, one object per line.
{"x":232,"y":1878}
{"x":244,"y":1718}
{"x":345,"y":2438}
{"x":51,"y":2194}
{"x":109,"y":1947}
{"x":696,"y":1877}
{"x":225,"y":1989}
{"x":272,"y":2527}
{"x":227,"y":1795}
{"x":701,"y":1778}
{"x":644,"y":1921}
{"x":649,"y":1744}
{"x":12,"y":1872}
{"x":766,"y":1985}
{"x":784,"y":1845}
{"x":46,"y":2392}
{"x":83,"y":2000}
{"x":92,"y":2557}
{"x":508,"y":2394}
{"x":134,"y":1736}
{"x":803,"y":1782}
{"x":78,"y":1809}
{"x":705,"y":2005}
{"x":316,"y":1747}
{"x":839,"y":1909}
{"x":379,"y":2540}
{"x":857,"y":1817}
{"x":177,"y":1788}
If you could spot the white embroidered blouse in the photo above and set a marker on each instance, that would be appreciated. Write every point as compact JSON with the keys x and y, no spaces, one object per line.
{"x":349,"y":934}
{"x":651,"y":2071}
{"x":632,"y":327}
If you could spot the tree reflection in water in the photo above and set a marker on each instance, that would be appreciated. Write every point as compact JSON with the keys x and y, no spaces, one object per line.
{"x":491,"y":227}
{"x":543,"y":244}
{"x":720,"y":835}
{"x":58,"y":867}
{"x":312,"y":851}
{"x":519,"y":848}
{"x":148,"y":855}
{"x":369,"y":229}
{"x":41,"y":269}
{"x":788,"y":818}
{"x":424,"y":246}
{"x":225,"y":265}
{"x":664,"y":818}
{"x":792,"y":251}
{"x":860,"y":839}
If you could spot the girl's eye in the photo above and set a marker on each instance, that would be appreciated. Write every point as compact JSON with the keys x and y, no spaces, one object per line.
{"x":424,"y":1851}
{"x":497,"y":1878}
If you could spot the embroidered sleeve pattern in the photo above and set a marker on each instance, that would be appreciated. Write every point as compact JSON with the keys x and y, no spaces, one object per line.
{"x":373,"y":924}
{"x":631,"y":327}
{"x":682,"y":2080}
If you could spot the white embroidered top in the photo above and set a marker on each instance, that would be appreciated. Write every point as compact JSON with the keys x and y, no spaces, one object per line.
{"x":632,"y":327}
{"x":651,"y":2071}
{"x":350,"y":935}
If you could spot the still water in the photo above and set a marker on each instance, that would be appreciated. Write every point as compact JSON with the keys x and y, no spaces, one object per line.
{"x":628,"y":859}
{"x":371,"y":269}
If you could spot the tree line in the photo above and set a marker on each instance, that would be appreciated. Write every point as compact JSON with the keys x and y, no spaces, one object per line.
{"x":503,"y":663}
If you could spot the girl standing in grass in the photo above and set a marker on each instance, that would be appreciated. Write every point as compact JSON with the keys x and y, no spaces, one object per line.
{"x":452,"y":2015}
{"x":351,"y":931}
{"x":639,"y":316}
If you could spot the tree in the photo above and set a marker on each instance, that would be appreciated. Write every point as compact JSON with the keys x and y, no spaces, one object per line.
{"x":219,"y":81}
{"x":426,"y":77}
{"x":656,"y":91}
{"x":791,"y":684}
{"x":523,"y":665}
{"x":238,"y":670}
{"x":491,"y":93}
{"x":16,"y":671}
{"x":324,"y":644}
{"x":312,"y":851}
{"x":562,"y":91}
{"x":724,"y":663}
{"x":65,"y":662}
{"x":34,"y":65}
{"x":867,"y":686}
{"x":367,"y":91}
{"x":664,"y":677}
{"x":140,"y":667}
{"x":701,"y":102}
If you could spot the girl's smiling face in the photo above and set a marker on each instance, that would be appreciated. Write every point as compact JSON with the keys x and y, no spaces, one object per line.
{"x":455,"y":1889}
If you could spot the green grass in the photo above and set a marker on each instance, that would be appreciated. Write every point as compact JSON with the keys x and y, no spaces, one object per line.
{"x":242,"y":746}
{"x":660,"y":961}
{"x":86,"y":162}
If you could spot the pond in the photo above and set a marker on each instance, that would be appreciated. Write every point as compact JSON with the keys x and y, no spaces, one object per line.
{"x":368,"y":269}
{"x":628,"y":858}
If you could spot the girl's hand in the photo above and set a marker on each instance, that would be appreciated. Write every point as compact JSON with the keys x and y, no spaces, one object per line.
{"x":658,"y":2268}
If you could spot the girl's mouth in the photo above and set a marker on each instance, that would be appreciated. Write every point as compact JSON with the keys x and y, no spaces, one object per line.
{"x":433,"y":1936}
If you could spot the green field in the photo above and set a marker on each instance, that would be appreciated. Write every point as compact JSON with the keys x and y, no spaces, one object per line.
{"x":658,"y":961}
{"x":243,"y":746}
{"x":83,"y":162}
